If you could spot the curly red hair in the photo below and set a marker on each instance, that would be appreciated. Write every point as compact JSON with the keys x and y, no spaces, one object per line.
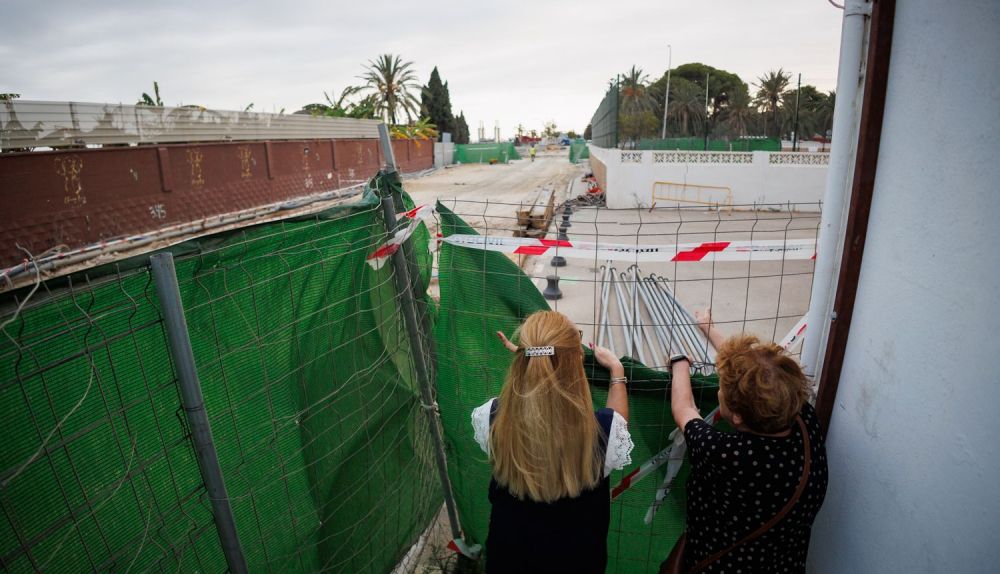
{"x":760,"y":383}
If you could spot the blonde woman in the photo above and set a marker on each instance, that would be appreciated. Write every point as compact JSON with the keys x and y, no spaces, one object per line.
{"x":551,"y":453}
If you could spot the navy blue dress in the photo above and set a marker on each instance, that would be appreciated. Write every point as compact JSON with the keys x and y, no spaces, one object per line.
{"x":568,"y":535}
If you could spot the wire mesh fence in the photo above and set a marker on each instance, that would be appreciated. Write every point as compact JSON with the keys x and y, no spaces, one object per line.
{"x":98,"y":473}
{"x":604,"y":123}
{"x":308,"y":381}
{"x":485,"y":290}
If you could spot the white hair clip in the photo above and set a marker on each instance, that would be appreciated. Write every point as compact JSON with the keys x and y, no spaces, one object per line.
{"x":539,"y":351}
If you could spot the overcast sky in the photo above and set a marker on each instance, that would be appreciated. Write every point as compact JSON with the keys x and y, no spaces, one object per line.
{"x":508,"y":61}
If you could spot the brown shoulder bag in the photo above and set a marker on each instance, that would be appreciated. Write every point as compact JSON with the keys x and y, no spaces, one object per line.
{"x":674,"y":564}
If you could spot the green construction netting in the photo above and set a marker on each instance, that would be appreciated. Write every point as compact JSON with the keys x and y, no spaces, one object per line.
{"x":578,"y":150}
{"x":485,"y":152}
{"x":482,"y":292}
{"x":306,"y":372}
{"x":698,"y":144}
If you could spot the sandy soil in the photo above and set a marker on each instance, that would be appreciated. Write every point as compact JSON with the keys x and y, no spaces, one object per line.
{"x":493,"y":192}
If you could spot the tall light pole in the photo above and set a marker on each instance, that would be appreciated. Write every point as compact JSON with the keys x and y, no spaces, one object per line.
{"x":707,"y":75}
{"x":795,"y":130}
{"x":666,"y":97}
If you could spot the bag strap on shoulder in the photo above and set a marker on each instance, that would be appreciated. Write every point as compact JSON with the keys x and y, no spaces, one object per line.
{"x":777,"y":517}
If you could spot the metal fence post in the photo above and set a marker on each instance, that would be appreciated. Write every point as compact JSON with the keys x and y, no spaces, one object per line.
{"x":401,"y":262}
{"x":194,"y":408}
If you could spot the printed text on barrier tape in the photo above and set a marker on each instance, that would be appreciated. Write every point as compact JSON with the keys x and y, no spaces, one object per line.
{"x":757,"y":250}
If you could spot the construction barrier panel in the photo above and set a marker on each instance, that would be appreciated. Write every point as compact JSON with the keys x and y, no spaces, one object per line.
{"x":485,"y":153}
{"x":483,"y":292}
{"x":305,"y":366}
{"x":578,"y":151}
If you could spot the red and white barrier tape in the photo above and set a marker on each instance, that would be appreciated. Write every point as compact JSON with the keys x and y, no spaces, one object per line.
{"x":458,"y":545}
{"x":755,"y":250}
{"x":675,"y":461}
{"x":378,"y":258}
{"x":794,"y":336}
{"x":657,"y":460}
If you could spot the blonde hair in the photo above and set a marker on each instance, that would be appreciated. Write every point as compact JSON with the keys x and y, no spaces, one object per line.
{"x":761,"y":383}
{"x":544,"y":441}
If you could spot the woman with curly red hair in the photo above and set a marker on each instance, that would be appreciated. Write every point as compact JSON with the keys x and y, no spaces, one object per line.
{"x":752,"y":494}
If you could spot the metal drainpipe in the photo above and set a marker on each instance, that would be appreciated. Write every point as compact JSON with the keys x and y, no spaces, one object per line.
{"x":853,"y":48}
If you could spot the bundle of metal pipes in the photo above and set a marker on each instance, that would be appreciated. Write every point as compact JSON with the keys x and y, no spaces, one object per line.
{"x":651,"y":322}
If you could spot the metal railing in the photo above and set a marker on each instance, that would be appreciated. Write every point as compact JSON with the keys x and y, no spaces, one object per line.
{"x":715,"y":196}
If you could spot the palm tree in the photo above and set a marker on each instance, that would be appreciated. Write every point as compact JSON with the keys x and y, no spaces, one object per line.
{"x":393,"y":82}
{"x":824,"y":112}
{"x":422,"y":129}
{"x":634,"y":92}
{"x":145,"y":100}
{"x":770,"y":87}
{"x":687,"y":105}
{"x":738,"y":114}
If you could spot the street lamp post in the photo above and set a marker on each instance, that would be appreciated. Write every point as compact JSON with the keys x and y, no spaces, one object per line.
{"x":666,"y":98}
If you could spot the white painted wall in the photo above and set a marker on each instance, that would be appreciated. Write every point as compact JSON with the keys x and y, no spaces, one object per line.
{"x":753,"y":177}
{"x":913,"y":445}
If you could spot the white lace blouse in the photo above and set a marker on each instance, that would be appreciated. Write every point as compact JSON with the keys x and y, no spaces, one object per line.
{"x":618,"y":454}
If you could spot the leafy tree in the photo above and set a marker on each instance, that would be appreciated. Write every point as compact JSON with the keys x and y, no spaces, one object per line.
{"x":6,"y":97}
{"x":588,"y":132}
{"x":461,"y":134}
{"x":637,"y":125}
{"x":145,"y":100}
{"x":724,"y":87}
{"x":770,"y":86}
{"x":342,"y":107}
{"x":392,"y":82}
{"x":572,"y":134}
{"x":435,"y":103}
{"x":550,"y":130}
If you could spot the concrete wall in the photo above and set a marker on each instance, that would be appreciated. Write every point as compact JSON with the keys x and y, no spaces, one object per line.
{"x":444,"y":154}
{"x":599,"y":170}
{"x":913,"y":446}
{"x":753,"y":177}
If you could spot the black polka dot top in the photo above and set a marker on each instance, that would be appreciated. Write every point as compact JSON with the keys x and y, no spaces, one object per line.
{"x":738,"y":482}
